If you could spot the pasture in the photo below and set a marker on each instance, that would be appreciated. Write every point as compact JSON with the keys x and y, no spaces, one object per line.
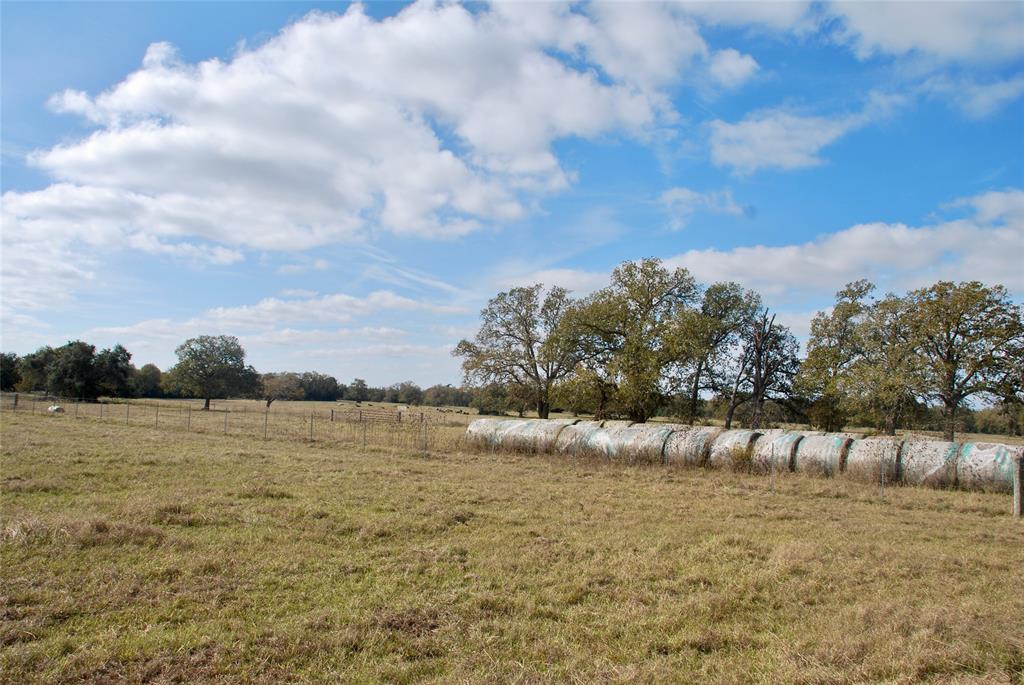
{"x":137,"y":554}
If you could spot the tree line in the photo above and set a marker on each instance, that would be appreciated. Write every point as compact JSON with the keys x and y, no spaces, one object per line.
{"x":654,"y":341}
{"x":209,"y":367}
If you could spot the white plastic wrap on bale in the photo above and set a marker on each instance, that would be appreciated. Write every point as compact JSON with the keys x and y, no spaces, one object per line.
{"x":821,"y":454}
{"x":929,"y":462}
{"x":576,"y":439}
{"x":732,"y":449}
{"x":691,"y":446}
{"x":778,"y":447}
{"x":535,"y":435}
{"x":872,"y":459}
{"x":987,"y":466}
{"x":616,"y":423}
{"x":484,"y":432}
{"x":640,"y":442}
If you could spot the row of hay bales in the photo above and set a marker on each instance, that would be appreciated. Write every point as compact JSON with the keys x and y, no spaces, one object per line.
{"x":913,"y":461}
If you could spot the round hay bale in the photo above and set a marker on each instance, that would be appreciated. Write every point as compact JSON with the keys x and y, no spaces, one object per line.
{"x":732,"y":449}
{"x":486,"y":432}
{"x":871,"y":459}
{"x":617,"y":423}
{"x":637,"y":443}
{"x":775,"y":447}
{"x":929,"y":462}
{"x":987,"y":466}
{"x":690,"y":446}
{"x":821,"y":454}
{"x":533,"y":435}
{"x":641,"y":442}
{"x":577,"y":438}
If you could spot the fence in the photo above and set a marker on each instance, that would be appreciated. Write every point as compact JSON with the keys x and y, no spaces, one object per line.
{"x":407,"y":430}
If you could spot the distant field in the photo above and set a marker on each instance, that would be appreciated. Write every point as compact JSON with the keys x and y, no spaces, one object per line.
{"x":130,"y":554}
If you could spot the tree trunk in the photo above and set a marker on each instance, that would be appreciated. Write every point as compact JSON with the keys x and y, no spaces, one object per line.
{"x":730,"y":412}
{"x":890,"y":423}
{"x":755,"y":418}
{"x":950,"y":423}
{"x":695,"y":392}
{"x":206,"y":404}
{"x":543,"y":409}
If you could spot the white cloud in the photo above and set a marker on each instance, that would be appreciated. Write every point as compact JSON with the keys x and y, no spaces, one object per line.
{"x":731,"y":68}
{"x":777,"y":138}
{"x":987,"y":246}
{"x":789,"y":15}
{"x":681,"y":203}
{"x":975,"y":99}
{"x":576,"y":281}
{"x":966,"y":31}
{"x":342,"y":126}
{"x":304,"y":266}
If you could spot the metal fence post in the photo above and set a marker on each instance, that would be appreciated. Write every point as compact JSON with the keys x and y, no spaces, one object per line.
{"x":188,"y":419}
{"x":157,"y":422}
{"x":311,"y":426}
{"x":266,"y":414}
{"x":127,"y":408}
{"x":1018,"y":487}
{"x":225,"y":422}
{"x":15,"y":402}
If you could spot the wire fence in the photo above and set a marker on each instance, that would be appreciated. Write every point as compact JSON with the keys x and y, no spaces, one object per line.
{"x":406,"y":430}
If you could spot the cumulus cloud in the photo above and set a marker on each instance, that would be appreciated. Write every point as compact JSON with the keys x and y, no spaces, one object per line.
{"x":731,"y":68}
{"x":975,"y":99}
{"x":945,"y":31}
{"x":342,"y":126}
{"x":681,"y":203}
{"x":986,"y":246}
{"x":778,"y":138}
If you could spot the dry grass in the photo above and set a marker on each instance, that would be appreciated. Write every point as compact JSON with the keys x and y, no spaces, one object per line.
{"x":129,"y":554}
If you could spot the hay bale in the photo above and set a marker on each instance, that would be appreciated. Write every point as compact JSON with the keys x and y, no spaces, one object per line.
{"x":577,"y":438}
{"x":534,"y":435}
{"x":617,"y":423}
{"x":821,"y":454}
{"x":690,"y":446}
{"x":776,"y":447}
{"x":637,"y":443}
{"x":929,"y":462}
{"x":871,"y":459}
{"x":732,"y":449}
{"x":487,"y":432}
{"x":987,"y":466}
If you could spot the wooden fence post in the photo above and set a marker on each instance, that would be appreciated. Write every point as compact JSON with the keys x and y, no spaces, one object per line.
{"x":15,"y":402}
{"x":266,"y":414}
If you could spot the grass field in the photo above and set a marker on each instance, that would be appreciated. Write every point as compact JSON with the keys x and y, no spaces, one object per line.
{"x":131,"y":554}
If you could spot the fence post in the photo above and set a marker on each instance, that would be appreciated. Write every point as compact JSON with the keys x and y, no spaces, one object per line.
{"x":101,"y":409}
{"x":311,"y":426}
{"x":1018,"y":487}
{"x":363,"y":424}
{"x":266,"y":414}
{"x":773,"y":467}
{"x":225,"y":422}
{"x":127,"y":408}
{"x":15,"y":402}
{"x":158,"y":416}
{"x":881,"y":479}
{"x":76,"y":407}
{"x":188,"y":420}
{"x":332,"y":416}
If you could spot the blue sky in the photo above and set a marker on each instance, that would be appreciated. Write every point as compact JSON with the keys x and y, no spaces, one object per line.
{"x":343,"y":187}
